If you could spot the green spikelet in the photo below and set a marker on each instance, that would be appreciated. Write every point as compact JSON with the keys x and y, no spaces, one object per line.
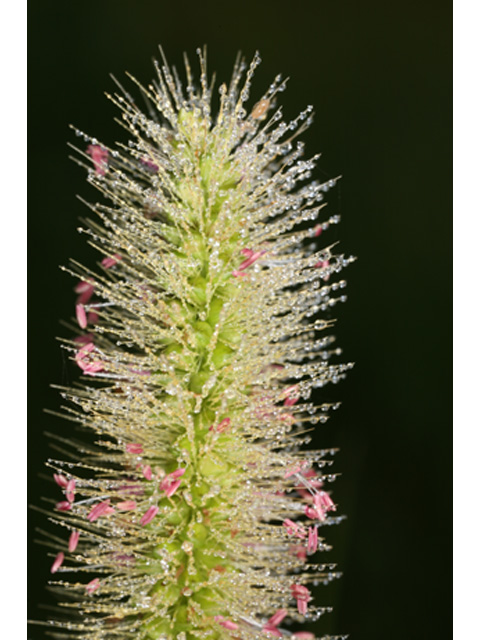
{"x":195,"y":515}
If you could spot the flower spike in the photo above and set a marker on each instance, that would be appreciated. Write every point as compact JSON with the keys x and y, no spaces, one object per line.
{"x":202,"y":346}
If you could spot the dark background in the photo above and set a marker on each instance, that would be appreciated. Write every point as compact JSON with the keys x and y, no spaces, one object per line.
{"x":379,"y":76}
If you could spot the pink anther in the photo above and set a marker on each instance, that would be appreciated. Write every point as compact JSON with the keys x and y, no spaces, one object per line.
{"x":126,"y":505}
{"x":298,"y":550}
{"x":170,"y":482}
{"x":85,"y":290}
{"x":315,"y":514}
{"x":84,"y":339}
{"x":228,"y":624}
{"x":73,"y":541}
{"x":319,"y":502}
{"x":134,"y":447}
{"x":292,"y":472}
{"x":63,"y":506}
{"x":111,"y":261}
{"x":302,"y":596}
{"x":60,"y":480}
{"x":148,"y":164}
{"x":323,"y":264}
{"x":93,"y":367}
{"x":100,"y":509}
{"x":92,"y":317}
{"x":70,"y":490}
{"x":81,"y":355}
{"x":293,"y":528}
{"x":147,"y":472}
{"x":253,"y":257}
{"x":271,"y":625}
{"x":221,"y":426}
{"x":149,"y":515}
{"x":99,"y":156}
{"x":322,"y":498}
{"x":92,"y":586}
{"x":312,"y":544}
{"x":57,"y":563}
{"x":81,"y":316}
{"x":178,"y":473}
{"x":171,"y":489}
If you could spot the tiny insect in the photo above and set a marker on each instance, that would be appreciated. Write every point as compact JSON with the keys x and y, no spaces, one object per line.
{"x":260,"y":109}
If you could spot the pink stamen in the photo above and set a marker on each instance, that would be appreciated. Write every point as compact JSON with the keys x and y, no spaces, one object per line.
{"x":271,"y":625}
{"x":92,"y":586}
{"x":147,"y":472}
{"x":319,"y":504}
{"x":99,"y":157}
{"x":178,"y":473}
{"x":228,"y":624}
{"x":127,"y":505}
{"x":303,"y":635}
{"x":323,"y":264}
{"x":299,"y":551}
{"x":278,"y":617}
{"x":170,"y":490}
{"x":312,"y":544}
{"x":85,"y":289}
{"x":149,"y":515}
{"x":57,"y":563}
{"x":253,"y":257}
{"x":82,"y":354}
{"x":123,"y":559}
{"x":239,"y":274}
{"x":293,"y":471}
{"x":297,"y":469}
{"x":302,"y":596}
{"x":60,"y":480}
{"x":63,"y":506}
{"x":286,"y":393}
{"x":84,"y":339}
{"x":111,"y":261}
{"x":81,"y":316}
{"x":288,"y":417}
{"x":70,"y":490}
{"x":170,"y":484}
{"x":149,"y":164}
{"x":132,"y":489}
{"x":293,"y":528}
{"x":313,"y":482}
{"x":325,"y":501}
{"x":317,"y":230}
{"x":134,"y":447}
{"x":73,"y":541}
{"x":92,"y":368}
{"x":83,"y":286}
{"x":100,"y":509}
{"x":92,"y":317}
{"x":222,"y":426}
{"x":289,"y":402}
{"x":315,"y":514}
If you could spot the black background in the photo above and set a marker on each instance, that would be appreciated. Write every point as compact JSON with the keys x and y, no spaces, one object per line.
{"x":379,"y":76}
